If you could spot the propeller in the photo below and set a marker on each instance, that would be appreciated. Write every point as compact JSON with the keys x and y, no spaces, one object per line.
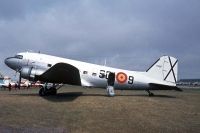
{"x":20,"y":78}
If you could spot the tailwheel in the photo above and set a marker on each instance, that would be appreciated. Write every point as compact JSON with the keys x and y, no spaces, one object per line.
{"x":150,"y":93}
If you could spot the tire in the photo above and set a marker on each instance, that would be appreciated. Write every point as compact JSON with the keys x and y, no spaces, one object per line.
{"x":42,"y":92}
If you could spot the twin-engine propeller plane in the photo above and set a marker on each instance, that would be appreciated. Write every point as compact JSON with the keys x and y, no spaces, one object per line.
{"x":162,"y":75}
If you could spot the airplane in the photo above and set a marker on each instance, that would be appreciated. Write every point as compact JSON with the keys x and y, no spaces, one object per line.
{"x":5,"y":82}
{"x":162,"y":75}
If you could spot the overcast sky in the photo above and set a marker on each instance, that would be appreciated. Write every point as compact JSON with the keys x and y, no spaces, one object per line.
{"x":129,"y":34}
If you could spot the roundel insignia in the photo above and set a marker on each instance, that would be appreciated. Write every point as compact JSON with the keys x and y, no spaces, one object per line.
{"x":121,"y":77}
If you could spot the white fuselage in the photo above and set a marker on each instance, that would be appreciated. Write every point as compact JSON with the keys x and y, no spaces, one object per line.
{"x":92,"y":75}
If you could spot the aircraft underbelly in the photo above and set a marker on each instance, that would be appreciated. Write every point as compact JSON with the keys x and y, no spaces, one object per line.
{"x":102,"y":83}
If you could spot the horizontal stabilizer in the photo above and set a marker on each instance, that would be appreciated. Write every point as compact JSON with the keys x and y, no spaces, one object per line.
{"x":154,"y":86}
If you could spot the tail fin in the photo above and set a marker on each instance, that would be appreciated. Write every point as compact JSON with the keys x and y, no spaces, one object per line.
{"x":164,"y":69}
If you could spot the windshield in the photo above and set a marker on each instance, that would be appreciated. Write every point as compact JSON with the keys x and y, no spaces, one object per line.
{"x":19,"y":56}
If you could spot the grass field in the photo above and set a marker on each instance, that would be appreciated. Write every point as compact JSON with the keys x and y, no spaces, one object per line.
{"x":77,"y":109}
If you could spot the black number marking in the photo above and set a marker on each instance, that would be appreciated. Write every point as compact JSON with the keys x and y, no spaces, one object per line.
{"x":130,"y":80}
{"x":107,"y":74}
{"x":102,"y":74}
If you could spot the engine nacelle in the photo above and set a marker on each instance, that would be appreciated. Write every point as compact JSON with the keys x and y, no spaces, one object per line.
{"x":30,"y":73}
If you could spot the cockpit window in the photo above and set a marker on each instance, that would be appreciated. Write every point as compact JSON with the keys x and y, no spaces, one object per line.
{"x":19,"y":56}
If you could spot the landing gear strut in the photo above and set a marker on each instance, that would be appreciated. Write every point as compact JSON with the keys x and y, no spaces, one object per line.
{"x":46,"y":91}
{"x":150,"y":93}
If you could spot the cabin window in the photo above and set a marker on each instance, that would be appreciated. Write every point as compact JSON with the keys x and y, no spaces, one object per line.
{"x":94,"y":74}
{"x":49,"y":65}
{"x":85,"y":72}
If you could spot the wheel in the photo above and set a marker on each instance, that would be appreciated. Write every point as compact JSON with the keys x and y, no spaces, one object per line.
{"x":42,"y":92}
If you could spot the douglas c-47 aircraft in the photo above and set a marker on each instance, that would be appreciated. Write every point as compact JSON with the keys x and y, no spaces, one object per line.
{"x":162,"y":75}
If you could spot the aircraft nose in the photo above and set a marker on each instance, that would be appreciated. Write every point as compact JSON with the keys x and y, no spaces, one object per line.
{"x":6,"y":61}
{"x":12,"y":63}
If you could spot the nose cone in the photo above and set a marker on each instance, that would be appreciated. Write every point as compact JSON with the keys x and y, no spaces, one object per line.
{"x":13,"y":63}
{"x":6,"y":61}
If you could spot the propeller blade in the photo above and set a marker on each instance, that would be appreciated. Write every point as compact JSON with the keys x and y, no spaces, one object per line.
{"x":20,"y":78}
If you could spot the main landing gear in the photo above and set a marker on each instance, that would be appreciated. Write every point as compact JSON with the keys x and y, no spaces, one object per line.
{"x":150,"y":93}
{"x":47,"y":90}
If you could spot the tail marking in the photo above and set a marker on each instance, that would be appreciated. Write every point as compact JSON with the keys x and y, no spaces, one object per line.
{"x":171,"y":70}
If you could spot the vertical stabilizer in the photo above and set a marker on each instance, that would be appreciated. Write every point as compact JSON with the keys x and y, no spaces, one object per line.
{"x":164,"y":69}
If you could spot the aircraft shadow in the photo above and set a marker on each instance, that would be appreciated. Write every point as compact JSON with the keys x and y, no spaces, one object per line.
{"x":63,"y":97}
{"x":60,"y":97}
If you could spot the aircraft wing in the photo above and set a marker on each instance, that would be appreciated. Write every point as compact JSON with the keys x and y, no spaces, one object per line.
{"x":61,"y":73}
{"x":154,"y":86}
